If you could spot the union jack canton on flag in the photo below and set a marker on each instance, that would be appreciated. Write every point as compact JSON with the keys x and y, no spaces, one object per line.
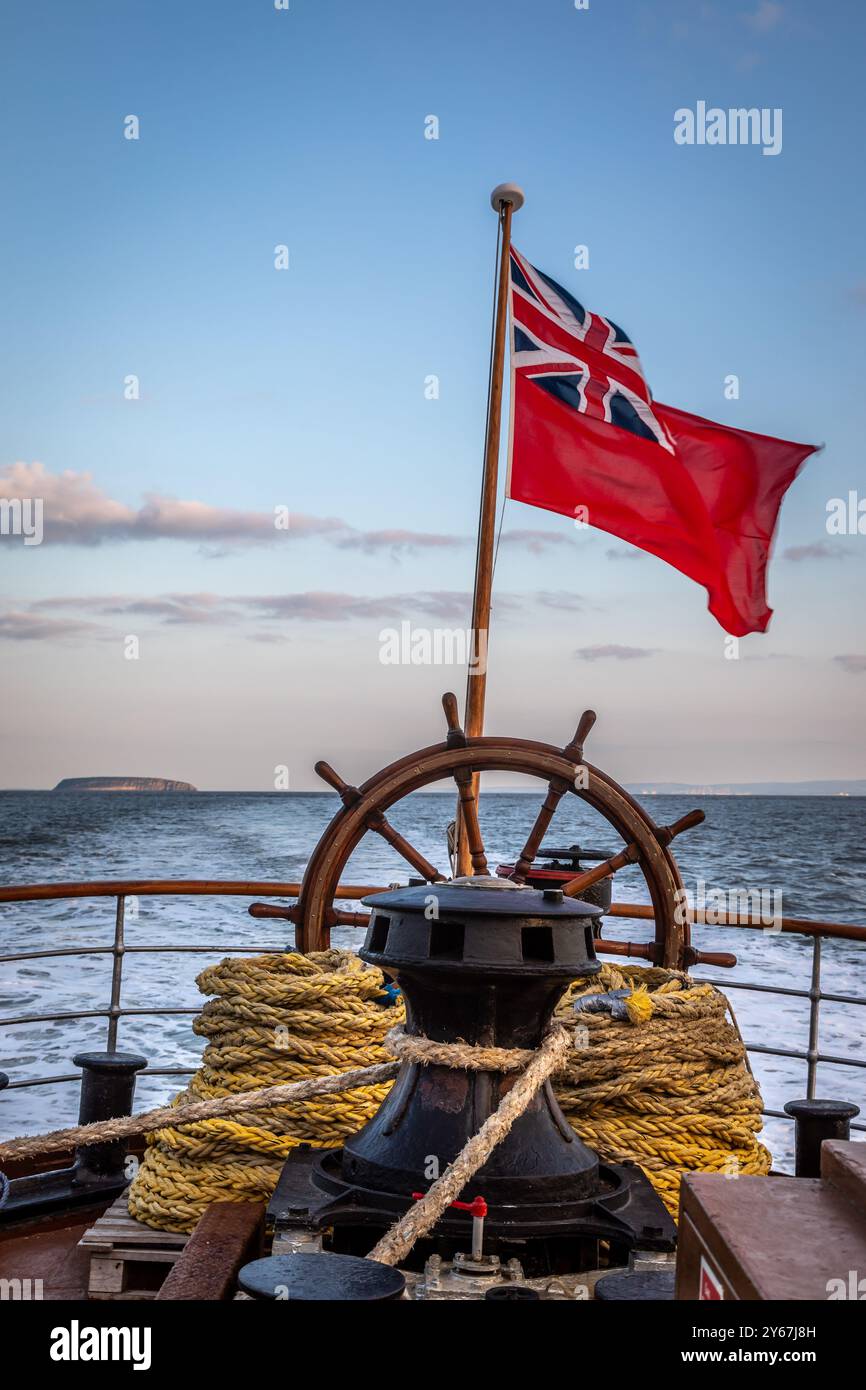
{"x":582,"y":358}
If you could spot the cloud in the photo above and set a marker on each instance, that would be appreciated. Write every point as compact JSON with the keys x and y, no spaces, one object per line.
{"x":171,"y":608}
{"x":614,"y":651}
{"x":436,"y":606}
{"x":398,"y":540}
{"x":767,"y":16}
{"x":175,"y":608}
{"x":816,"y":550}
{"x":631,"y":554}
{"x":77,"y":512}
{"x":32,"y":627}
{"x":335,"y":607}
{"x":536,"y":542}
{"x":854,"y":664}
{"x":207,"y":609}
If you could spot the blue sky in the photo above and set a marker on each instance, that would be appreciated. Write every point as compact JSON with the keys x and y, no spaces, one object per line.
{"x":305,"y":388}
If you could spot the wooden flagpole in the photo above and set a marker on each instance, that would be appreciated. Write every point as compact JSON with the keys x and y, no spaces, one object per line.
{"x":506,"y":199}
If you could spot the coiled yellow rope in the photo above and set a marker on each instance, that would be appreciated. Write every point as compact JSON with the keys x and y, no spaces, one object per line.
{"x":667,"y":1086}
{"x":274,"y":1018}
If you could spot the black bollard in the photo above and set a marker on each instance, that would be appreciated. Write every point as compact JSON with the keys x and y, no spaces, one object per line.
{"x":636,"y":1286}
{"x":321,"y":1277}
{"x":817,"y":1120}
{"x":107,"y":1087}
{"x":511,"y":1293}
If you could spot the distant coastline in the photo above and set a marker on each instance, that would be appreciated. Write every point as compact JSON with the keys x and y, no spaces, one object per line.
{"x":827,"y":787}
{"x":122,"y":784}
{"x":855,"y":788}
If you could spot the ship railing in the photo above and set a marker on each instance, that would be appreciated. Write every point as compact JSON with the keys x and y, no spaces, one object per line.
{"x":120,"y":948}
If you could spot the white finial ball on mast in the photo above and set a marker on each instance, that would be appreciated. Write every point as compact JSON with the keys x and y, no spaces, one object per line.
{"x":507,"y":193}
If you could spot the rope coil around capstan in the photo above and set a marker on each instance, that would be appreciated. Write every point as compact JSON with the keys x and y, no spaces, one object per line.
{"x":649,"y":1069}
{"x":274,"y":1019}
{"x":396,"y":1243}
{"x":409,"y":1047}
{"x":668,"y":1086}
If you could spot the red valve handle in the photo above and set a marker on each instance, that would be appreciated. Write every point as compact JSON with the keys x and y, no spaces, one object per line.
{"x":478,"y":1206}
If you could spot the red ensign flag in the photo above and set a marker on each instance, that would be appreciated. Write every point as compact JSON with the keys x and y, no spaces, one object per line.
{"x":587,"y":435}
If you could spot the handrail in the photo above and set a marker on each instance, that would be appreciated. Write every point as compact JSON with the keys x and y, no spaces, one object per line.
{"x":120,"y":889}
{"x":161,"y":887}
{"x":156,"y":887}
{"x":843,"y":931}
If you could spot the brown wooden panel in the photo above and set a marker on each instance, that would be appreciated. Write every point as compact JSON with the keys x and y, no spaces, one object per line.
{"x":769,"y":1237}
{"x":843,"y":1166}
{"x":226,"y":1237}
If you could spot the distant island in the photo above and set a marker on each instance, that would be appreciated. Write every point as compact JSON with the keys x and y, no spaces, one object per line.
{"x":122,"y":784}
{"x":835,"y":787}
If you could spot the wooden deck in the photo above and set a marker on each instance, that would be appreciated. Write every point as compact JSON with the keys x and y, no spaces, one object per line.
{"x":42,"y":1259}
{"x":89,"y":1253}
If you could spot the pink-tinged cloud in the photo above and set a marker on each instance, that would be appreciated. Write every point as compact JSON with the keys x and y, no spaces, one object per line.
{"x":33,"y":627}
{"x":77,"y":512}
{"x":335,"y":607}
{"x":436,"y":606}
{"x":196,"y":609}
{"x":613,"y":651}
{"x":398,"y":539}
{"x":536,"y":542}
{"x":166,"y":518}
{"x":851,"y":662}
{"x":175,"y":608}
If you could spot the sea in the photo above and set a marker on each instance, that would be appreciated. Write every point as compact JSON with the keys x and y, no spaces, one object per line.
{"x":804,"y":854}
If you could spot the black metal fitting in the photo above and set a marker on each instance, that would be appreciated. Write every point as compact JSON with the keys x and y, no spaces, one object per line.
{"x":107,"y":1088}
{"x":636,"y":1286}
{"x":511,"y":1293}
{"x":321,"y":1278}
{"x":817,"y":1120}
{"x":98,"y":1171}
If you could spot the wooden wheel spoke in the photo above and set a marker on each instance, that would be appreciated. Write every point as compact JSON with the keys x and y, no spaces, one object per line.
{"x":469,"y":811}
{"x":556,"y":789}
{"x":666,"y":833}
{"x":555,"y":793}
{"x":574,"y":749}
{"x":286,"y":914}
{"x":631,"y":854}
{"x":467,"y":787}
{"x":575,"y":886}
{"x":377,"y":822}
{"x":335,"y":918}
{"x":347,"y":794}
{"x":413,"y":856}
{"x":455,"y":737}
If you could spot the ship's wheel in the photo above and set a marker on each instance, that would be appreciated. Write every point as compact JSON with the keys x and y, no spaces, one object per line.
{"x":363,"y":810}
